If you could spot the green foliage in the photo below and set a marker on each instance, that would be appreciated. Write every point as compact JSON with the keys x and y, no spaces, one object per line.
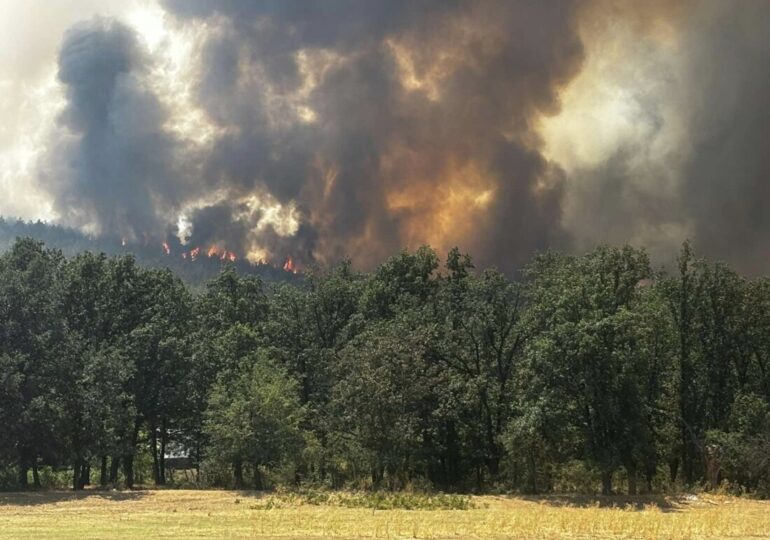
{"x":589,"y":369}
{"x":254,"y":417}
{"x":376,"y":500}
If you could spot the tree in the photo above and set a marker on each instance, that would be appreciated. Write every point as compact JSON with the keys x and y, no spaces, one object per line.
{"x":307,"y":327}
{"x":162,"y":352}
{"x":386,"y":402}
{"x":30,"y":333}
{"x":254,"y":418}
{"x":589,"y":349}
{"x":481,"y":346}
{"x":228,"y":325}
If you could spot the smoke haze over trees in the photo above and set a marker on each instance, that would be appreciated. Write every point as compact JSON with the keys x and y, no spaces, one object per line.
{"x":590,"y":372}
{"x":193,"y":272}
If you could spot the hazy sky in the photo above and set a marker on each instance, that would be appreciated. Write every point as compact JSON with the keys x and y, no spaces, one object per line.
{"x":354,"y":128}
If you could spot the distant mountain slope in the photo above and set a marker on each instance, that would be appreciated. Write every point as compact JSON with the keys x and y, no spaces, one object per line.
{"x":194,"y":271}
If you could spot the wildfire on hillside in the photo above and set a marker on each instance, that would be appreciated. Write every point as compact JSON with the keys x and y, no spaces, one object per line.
{"x":215,"y":252}
{"x":289,"y":266}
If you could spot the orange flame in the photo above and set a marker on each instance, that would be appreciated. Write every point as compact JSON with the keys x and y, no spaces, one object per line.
{"x":166,"y":248}
{"x":289,"y":266}
{"x":213,"y":251}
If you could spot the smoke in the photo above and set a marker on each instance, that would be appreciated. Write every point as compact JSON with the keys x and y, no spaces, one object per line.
{"x":389,"y":124}
{"x":675,"y":96}
{"x":346,"y":128}
{"x":726,"y":187}
{"x":112,"y":168}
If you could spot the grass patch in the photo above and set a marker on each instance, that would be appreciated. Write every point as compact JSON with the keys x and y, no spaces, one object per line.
{"x":352,"y":516}
{"x":377,"y":500}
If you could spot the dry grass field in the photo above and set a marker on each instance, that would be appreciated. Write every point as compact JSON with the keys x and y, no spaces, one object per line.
{"x":220,"y":514}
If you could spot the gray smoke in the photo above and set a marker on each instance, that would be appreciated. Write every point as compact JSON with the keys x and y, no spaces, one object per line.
{"x":113,"y":167}
{"x":506,"y":63}
{"x":727,"y":179}
{"x":388,"y":124}
{"x":712,"y":183}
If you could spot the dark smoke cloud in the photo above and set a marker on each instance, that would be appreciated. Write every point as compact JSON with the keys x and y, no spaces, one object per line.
{"x":113,"y":166}
{"x":388,"y":124}
{"x":374,"y":139}
{"x":727,"y":178}
{"x":712,"y":182}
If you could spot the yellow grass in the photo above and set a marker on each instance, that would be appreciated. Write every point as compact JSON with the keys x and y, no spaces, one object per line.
{"x":220,"y":514}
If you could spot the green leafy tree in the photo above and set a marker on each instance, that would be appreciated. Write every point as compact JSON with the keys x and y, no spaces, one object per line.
{"x":481,"y":347}
{"x":590,"y":351}
{"x":386,"y":403}
{"x":254,"y":418}
{"x":30,"y":335}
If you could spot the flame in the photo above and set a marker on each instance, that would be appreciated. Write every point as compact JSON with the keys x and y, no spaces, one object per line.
{"x":212,"y":252}
{"x":289,"y":266}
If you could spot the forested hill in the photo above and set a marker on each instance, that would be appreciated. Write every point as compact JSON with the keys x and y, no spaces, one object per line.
{"x":71,"y":242}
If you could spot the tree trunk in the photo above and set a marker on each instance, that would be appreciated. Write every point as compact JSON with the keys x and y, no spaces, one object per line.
{"x":687,"y":464}
{"x":128,"y":459}
{"x":35,"y":475}
{"x":114,"y":469}
{"x":128,"y":470}
{"x":103,"y":478}
{"x":238,"y":473}
{"x":649,"y":476}
{"x":77,"y":474}
{"x":154,"y":450}
{"x":85,"y":474}
{"x":23,"y":470}
{"x":631,"y":471}
{"x":376,"y":476}
{"x":493,"y":465}
{"x":162,"y":456}
{"x":673,"y":469}
{"x":606,"y":482}
{"x":453,"y":453}
{"x":532,"y":462}
{"x":258,"y":484}
{"x":23,"y":482}
{"x":197,"y":462}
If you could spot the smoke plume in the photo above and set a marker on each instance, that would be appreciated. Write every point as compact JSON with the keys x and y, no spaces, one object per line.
{"x":113,"y":168}
{"x":346,"y":128}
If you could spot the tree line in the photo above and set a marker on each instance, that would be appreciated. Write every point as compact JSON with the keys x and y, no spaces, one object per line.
{"x":147,"y":252}
{"x":586,"y":370}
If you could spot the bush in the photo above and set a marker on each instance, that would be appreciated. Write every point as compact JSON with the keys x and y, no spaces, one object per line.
{"x":376,"y":500}
{"x":576,"y":477}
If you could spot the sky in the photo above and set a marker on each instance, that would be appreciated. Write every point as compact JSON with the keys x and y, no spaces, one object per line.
{"x":319,"y":130}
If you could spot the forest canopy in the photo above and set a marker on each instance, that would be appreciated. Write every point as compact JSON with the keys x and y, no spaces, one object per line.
{"x":590,"y":371}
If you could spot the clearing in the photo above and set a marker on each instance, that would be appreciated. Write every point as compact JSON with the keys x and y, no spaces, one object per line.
{"x":230,"y":514}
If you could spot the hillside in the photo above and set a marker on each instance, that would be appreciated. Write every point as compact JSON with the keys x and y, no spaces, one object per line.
{"x":194,"y":271}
